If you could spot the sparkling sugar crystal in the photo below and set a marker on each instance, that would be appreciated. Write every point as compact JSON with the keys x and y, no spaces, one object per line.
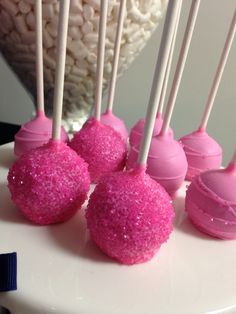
{"x":129,"y":216}
{"x":49,"y":184}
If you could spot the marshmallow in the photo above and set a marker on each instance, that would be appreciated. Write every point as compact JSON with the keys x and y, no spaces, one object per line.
{"x":9,"y":6}
{"x":88,"y":12}
{"x":24,"y":7}
{"x":47,"y":11}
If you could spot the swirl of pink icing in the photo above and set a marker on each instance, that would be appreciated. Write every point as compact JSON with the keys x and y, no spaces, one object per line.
{"x":211,"y":202}
{"x":137,"y":130}
{"x":202,"y":152}
{"x":35,"y":133}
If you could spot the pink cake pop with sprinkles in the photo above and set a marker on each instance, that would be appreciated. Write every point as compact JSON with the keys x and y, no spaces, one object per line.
{"x":37,"y":131}
{"x":130,"y":215}
{"x":167,"y":163}
{"x":202,"y":151}
{"x":108,"y":118}
{"x":50,"y":183}
{"x":211,"y":201}
{"x":98,"y":144}
{"x":137,"y":130}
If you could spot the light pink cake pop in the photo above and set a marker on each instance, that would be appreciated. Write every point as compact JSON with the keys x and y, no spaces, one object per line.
{"x":101,"y":147}
{"x":35,"y":133}
{"x":49,"y":183}
{"x":108,"y":118}
{"x":166,"y":162}
{"x":211,"y":202}
{"x":202,"y":151}
{"x":129,"y":215}
{"x":137,"y":130}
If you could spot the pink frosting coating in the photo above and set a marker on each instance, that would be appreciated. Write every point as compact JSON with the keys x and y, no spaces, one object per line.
{"x":166,"y":162}
{"x":211,"y":202}
{"x":49,"y":183}
{"x":137,"y":130}
{"x":101,"y":147}
{"x":35,"y":133}
{"x":129,"y":216}
{"x":108,"y":118}
{"x":202,"y":152}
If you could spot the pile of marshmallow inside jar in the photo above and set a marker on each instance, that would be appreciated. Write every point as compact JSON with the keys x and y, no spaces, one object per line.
{"x":17,"y":43}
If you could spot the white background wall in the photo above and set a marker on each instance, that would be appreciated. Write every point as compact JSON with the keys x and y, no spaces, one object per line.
{"x":134,"y":87}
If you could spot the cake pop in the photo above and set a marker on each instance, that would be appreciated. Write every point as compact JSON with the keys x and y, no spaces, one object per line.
{"x":50,"y":183}
{"x":167,"y":162}
{"x":211,"y":201}
{"x":37,"y":131}
{"x":137,"y":130}
{"x":202,"y":151}
{"x":98,"y":144}
{"x":108,"y":118}
{"x":130,"y":215}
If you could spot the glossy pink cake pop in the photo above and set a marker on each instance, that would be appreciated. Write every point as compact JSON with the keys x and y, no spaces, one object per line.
{"x":108,"y":118}
{"x":166,"y":162}
{"x":211,"y":202}
{"x":137,"y":130}
{"x":49,"y":183}
{"x":101,"y":147}
{"x":202,"y":152}
{"x":129,"y":216}
{"x":35,"y":133}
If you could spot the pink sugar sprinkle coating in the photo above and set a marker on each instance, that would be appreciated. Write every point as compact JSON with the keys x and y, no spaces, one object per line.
{"x":49,"y":184}
{"x":101,"y":147}
{"x":129,"y":216}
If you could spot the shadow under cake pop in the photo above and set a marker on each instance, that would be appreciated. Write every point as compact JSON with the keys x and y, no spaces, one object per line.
{"x":202,"y":151}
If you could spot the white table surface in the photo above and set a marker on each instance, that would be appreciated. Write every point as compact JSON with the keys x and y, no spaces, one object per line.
{"x":61,"y":271}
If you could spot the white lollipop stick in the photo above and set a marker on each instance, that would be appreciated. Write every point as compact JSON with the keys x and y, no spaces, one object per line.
{"x":219,"y":72}
{"x":100,"y":58}
{"x":115,"y":61}
{"x":164,"y":51}
{"x":168,"y":68}
{"x":39,"y":57}
{"x":180,"y":64}
{"x":60,"y":68}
